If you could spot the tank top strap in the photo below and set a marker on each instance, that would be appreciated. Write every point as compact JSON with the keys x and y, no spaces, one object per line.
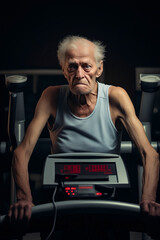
{"x":103,"y":90}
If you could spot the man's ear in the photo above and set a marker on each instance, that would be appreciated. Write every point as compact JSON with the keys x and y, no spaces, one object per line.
{"x":99,"y":69}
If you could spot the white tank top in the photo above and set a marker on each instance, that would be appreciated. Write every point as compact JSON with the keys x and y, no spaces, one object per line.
{"x":95,"y":133}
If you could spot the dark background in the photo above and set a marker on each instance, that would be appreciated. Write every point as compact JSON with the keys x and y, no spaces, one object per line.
{"x":30,"y":32}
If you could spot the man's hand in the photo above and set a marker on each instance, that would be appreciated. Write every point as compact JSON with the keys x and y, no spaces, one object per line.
{"x":150,"y":208}
{"x":151,"y":223}
{"x":19,"y":215}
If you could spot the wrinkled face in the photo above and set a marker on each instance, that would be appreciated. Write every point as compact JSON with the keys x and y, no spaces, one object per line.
{"x":80,"y":68}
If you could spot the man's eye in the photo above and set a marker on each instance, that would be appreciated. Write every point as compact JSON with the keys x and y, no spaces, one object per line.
{"x":72,"y":67}
{"x":86,"y":66}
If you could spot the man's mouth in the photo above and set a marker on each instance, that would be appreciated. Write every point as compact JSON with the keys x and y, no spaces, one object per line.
{"x":78,"y":83}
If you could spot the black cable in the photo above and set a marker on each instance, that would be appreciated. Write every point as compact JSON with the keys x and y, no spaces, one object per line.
{"x":55,"y":215}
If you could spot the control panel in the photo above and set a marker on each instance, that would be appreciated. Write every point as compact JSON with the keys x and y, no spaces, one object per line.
{"x":85,"y":174}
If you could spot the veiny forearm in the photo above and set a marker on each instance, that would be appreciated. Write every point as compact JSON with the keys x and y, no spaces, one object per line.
{"x":150,"y":176}
{"x":21,"y":177}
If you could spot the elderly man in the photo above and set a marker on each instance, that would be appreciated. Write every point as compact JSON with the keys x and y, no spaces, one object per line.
{"x":84,"y":115}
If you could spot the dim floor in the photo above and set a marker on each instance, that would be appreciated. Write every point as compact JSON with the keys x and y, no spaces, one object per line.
{"x":36,"y":236}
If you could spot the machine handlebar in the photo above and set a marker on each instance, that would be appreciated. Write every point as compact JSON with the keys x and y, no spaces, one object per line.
{"x":113,"y":213}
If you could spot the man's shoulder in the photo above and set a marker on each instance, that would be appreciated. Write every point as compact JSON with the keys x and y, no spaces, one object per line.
{"x":51,"y":92}
{"x":119,"y":98}
{"x":117,"y":92}
{"x":50,"y":95}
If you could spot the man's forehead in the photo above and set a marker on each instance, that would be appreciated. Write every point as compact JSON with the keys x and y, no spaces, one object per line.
{"x":79,"y":60}
{"x":80,"y":51}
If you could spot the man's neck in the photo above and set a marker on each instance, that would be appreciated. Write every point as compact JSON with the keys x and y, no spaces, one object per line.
{"x":83,"y":99}
{"x":82,"y":105}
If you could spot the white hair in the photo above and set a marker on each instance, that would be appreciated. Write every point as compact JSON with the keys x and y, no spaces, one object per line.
{"x":69,"y":41}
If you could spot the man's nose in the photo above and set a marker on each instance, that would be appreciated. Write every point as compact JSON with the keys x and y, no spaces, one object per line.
{"x":79,"y":73}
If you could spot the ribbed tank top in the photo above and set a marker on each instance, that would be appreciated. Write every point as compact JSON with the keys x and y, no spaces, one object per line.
{"x":94,"y":133}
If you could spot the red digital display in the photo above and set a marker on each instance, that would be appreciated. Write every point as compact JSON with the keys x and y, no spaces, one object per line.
{"x":86,"y":170}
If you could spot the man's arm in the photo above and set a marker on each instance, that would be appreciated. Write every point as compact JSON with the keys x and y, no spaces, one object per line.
{"x":22,"y":154}
{"x":125,"y":112}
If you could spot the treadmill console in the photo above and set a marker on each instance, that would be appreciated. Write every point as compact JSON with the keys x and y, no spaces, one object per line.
{"x":85,"y":174}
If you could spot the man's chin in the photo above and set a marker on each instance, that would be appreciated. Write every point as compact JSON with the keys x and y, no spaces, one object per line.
{"x":80,"y":89}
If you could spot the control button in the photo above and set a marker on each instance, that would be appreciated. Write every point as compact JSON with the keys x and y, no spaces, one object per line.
{"x":98,"y":193}
{"x":71,"y":191}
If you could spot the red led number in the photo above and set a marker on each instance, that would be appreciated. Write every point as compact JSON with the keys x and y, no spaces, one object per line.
{"x":71,"y":169}
{"x":98,"y":168}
